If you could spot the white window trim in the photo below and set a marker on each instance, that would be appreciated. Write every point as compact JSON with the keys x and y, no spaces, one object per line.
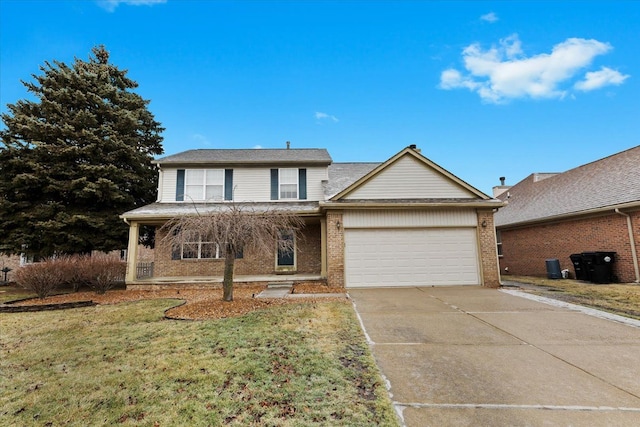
{"x":296,"y":182}
{"x":199,"y":242}
{"x":499,"y":243}
{"x":203,"y":185}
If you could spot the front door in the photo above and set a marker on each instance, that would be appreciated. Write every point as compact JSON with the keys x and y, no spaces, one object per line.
{"x":286,"y":258}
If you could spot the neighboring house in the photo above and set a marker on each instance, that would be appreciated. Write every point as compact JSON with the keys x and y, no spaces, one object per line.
{"x":594,"y":207}
{"x":403,"y":222}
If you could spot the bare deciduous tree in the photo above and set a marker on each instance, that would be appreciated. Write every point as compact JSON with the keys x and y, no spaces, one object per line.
{"x":233,"y":228}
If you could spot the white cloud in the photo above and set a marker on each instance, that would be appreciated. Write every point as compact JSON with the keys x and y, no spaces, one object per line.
{"x":257,"y":147}
{"x":503,"y":72}
{"x":597,"y":79}
{"x":111,"y":5}
{"x":489,"y":17}
{"x":325,"y":116}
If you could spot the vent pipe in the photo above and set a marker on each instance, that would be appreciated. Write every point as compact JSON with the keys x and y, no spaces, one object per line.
{"x":502,"y":179}
{"x":288,"y":145}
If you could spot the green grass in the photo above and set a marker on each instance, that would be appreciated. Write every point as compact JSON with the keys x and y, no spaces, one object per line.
{"x":293,"y":365}
{"x":622,"y":299}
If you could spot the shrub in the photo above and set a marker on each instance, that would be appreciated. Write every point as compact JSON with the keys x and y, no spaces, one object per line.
{"x":107,"y":272}
{"x":41,"y":277}
{"x":76,"y":270}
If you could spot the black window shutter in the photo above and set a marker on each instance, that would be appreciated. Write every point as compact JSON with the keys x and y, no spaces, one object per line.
{"x":180,"y":186}
{"x":302,"y":184}
{"x":274,"y":184}
{"x":175,"y":252}
{"x":228,"y":184}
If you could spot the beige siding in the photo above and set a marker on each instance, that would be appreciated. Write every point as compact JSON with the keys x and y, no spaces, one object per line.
{"x":249,"y":184}
{"x":168,"y":186}
{"x":410,"y":218}
{"x":409,"y":178}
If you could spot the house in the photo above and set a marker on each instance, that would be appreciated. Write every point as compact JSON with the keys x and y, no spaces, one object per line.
{"x":403,"y":222}
{"x":594,"y":207}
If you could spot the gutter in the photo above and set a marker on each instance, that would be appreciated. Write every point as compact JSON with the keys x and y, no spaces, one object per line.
{"x":409,"y":205}
{"x":632,"y":241}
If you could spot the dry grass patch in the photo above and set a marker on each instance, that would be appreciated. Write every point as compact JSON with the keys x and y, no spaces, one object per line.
{"x":622,"y":299}
{"x":295,"y":364}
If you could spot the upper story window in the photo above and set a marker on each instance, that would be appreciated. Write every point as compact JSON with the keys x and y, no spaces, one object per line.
{"x":204,"y":184}
{"x":288,"y":184}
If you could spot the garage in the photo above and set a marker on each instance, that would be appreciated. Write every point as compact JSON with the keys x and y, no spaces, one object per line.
{"x":394,"y":249}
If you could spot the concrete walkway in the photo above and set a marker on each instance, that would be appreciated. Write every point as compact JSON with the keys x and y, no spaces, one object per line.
{"x":471,"y":356}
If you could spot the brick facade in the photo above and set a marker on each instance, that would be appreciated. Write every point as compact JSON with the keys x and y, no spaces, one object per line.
{"x":525,"y":249}
{"x":308,"y":249}
{"x":488,"y":250}
{"x":335,"y":249}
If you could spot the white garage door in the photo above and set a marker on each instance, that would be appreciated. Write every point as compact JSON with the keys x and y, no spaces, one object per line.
{"x":411,"y":257}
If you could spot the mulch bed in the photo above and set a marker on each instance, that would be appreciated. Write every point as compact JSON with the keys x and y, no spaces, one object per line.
{"x":199,"y":304}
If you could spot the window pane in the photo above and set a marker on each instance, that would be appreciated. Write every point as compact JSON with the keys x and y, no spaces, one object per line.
{"x":208,"y":250}
{"x":289,"y":176}
{"x":190,"y":250}
{"x":193,"y":192}
{"x":214,"y":192}
{"x":194,"y":176}
{"x":288,"y":191}
{"x":215,"y":176}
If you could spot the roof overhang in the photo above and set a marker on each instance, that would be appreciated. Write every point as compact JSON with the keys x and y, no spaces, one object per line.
{"x":631,"y":206}
{"x":413,"y":204}
{"x":160,"y":212}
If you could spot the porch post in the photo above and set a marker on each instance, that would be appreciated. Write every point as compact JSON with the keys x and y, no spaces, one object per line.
{"x":323,"y":247}
{"x":132,"y":252}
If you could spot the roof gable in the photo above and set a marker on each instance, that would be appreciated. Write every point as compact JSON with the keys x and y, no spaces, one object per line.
{"x":605,"y":183}
{"x":409,"y":175}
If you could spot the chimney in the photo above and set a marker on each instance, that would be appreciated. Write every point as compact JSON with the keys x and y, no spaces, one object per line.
{"x":288,"y":145}
{"x":499,"y":190}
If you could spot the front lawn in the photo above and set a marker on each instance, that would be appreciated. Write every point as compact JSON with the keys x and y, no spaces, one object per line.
{"x":622,"y":299}
{"x":294,"y":364}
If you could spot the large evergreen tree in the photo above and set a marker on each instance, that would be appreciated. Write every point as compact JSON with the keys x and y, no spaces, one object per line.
{"x":75,"y":158}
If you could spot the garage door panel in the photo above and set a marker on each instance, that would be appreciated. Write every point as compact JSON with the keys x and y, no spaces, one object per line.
{"x":410,"y":257}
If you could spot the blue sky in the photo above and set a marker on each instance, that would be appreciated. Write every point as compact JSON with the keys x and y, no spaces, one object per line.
{"x":485,"y":89}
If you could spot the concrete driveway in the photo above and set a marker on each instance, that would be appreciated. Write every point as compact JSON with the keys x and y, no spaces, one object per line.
{"x":472,"y":356}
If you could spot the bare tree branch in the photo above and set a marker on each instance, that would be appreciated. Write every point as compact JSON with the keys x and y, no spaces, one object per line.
{"x":234,"y":227}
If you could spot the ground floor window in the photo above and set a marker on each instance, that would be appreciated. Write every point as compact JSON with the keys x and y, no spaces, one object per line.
{"x":197,"y":246}
{"x":499,"y":242}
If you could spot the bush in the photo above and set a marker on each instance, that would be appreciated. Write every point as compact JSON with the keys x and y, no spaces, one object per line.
{"x":41,"y":277}
{"x":107,"y":272}
{"x":100,"y":271}
{"x":77,"y":270}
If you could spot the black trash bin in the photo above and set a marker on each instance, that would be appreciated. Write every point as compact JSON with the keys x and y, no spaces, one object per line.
{"x":589,"y":264}
{"x":603,"y":267}
{"x":578,"y":266}
{"x":553,"y":269}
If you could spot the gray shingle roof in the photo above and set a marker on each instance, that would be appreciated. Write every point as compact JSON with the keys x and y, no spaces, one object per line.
{"x":611,"y":181}
{"x":259,"y":156}
{"x":168,"y":210}
{"x":342,"y":175}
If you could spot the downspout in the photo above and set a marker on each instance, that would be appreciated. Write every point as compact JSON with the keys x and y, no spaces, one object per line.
{"x":632,"y":241}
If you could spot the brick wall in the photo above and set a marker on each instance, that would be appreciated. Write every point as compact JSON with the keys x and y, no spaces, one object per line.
{"x":252,"y":262}
{"x":488,"y":251}
{"x":526,"y":249}
{"x":335,"y":249}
